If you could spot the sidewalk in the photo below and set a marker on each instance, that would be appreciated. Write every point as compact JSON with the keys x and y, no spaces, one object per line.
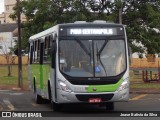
{"x":14,"y":88}
{"x":144,"y":91}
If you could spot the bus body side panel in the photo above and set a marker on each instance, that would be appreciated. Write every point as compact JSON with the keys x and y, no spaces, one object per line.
{"x":52,"y":84}
{"x":46,"y":74}
{"x":43,"y":71}
{"x":36,"y":75}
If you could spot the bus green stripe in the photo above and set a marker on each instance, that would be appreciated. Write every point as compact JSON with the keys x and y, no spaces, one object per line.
{"x":104,"y":88}
{"x":41,"y":76}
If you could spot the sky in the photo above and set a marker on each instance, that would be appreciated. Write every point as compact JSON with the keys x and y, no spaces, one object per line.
{"x":1,"y":6}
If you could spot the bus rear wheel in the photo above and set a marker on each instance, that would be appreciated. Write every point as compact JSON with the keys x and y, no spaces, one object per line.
{"x":38,"y":98}
{"x":110,"y":106}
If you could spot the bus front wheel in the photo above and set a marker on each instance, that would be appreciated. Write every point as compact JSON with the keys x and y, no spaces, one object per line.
{"x":110,"y":106}
{"x":56,"y":106}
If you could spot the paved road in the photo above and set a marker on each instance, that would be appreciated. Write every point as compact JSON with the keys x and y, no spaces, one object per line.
{"x":24,"y":101}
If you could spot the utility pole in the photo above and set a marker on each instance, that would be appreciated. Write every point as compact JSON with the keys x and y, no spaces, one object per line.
{"x":120,"y":13}
{"x":20,"y":80}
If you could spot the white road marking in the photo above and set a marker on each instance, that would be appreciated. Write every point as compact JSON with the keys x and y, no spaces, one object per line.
{"x":138,"y":97}
{"x":34,"y":104}
{"x":1,"y":107}
{"x":4,"y":90}
{"x":9,"y":105}
{"x":10,"y":92}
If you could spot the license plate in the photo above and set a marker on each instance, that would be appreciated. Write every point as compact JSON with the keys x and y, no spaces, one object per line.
{"x":94,"y":100}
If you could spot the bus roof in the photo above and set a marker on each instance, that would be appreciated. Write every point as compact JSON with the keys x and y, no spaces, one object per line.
{"x":96,"y":22}
{"x":77,"y":23}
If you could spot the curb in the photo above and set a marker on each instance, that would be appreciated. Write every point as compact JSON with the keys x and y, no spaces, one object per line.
{"x":144,"y":92}
{"x":19,"y":89}
{"x":14,"y":89}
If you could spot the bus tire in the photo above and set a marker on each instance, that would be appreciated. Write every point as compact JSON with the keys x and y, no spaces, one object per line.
{"x":34,"y":85}
{"x":38,"y":98}
{"x":56,"y":107}
{"x":110,"y":106}
{"x":49,"y":92}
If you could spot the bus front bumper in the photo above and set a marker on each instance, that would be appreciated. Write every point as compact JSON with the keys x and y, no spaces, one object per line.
{"x":72,"y":97}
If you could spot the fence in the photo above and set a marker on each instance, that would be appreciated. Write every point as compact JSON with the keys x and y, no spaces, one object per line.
{"x":24,"y":60}
{"x":143,"y":63}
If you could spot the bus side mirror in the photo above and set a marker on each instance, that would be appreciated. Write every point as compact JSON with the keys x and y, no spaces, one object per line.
{"x":16,"y":52}
{"x":62,"y":61}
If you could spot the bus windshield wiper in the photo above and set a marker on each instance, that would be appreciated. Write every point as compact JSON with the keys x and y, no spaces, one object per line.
{"x":103,"y":46}
{"x":83,"y":47}
{"x":99,"y":59}
{"x":107,"y":40}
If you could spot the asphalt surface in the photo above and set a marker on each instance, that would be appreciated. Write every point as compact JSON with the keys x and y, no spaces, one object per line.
{"x":24,"y":101}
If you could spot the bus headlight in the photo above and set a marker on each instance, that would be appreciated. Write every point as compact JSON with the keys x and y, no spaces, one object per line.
{"x":64,"y":87}
{"x":124,"y":85}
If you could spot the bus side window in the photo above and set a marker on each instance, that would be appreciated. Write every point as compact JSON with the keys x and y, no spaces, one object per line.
{"x":33,"y":52}
{"x":50,"y":38}
{"x":45,"y":57}
{"x":49,"y":41}
{"x":38,"y":51}
{"x":49,"y":49}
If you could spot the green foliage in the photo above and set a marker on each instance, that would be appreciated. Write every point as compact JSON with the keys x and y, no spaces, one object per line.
{"x":140,"y":17}
{"x":142,"y":20}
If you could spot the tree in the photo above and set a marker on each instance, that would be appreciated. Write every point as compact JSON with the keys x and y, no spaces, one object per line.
{"x":140,"y":17}
{"x":142,"y":20}
{"x":8,"y":55}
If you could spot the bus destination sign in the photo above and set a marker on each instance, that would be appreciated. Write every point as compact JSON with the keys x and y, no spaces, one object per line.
{"x":93,"y":31}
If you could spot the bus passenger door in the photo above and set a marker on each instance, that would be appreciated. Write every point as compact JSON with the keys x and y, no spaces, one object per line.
{"x":53,"y":67}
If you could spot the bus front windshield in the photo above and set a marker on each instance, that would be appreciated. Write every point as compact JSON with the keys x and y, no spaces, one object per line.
{"x":92,"y":58}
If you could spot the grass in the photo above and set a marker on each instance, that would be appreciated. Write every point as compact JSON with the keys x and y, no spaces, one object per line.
{"x":138,"y":83}
{"x":12,"y":80}
{"x":146,"y":86}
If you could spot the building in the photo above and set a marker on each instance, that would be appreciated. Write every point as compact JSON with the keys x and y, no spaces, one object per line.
{"x":8,"y":35}
{"x":8,"y":9}
{"x":8,"y":27}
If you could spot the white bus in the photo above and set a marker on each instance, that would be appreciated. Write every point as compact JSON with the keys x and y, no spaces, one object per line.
{"x":81,"y":62}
